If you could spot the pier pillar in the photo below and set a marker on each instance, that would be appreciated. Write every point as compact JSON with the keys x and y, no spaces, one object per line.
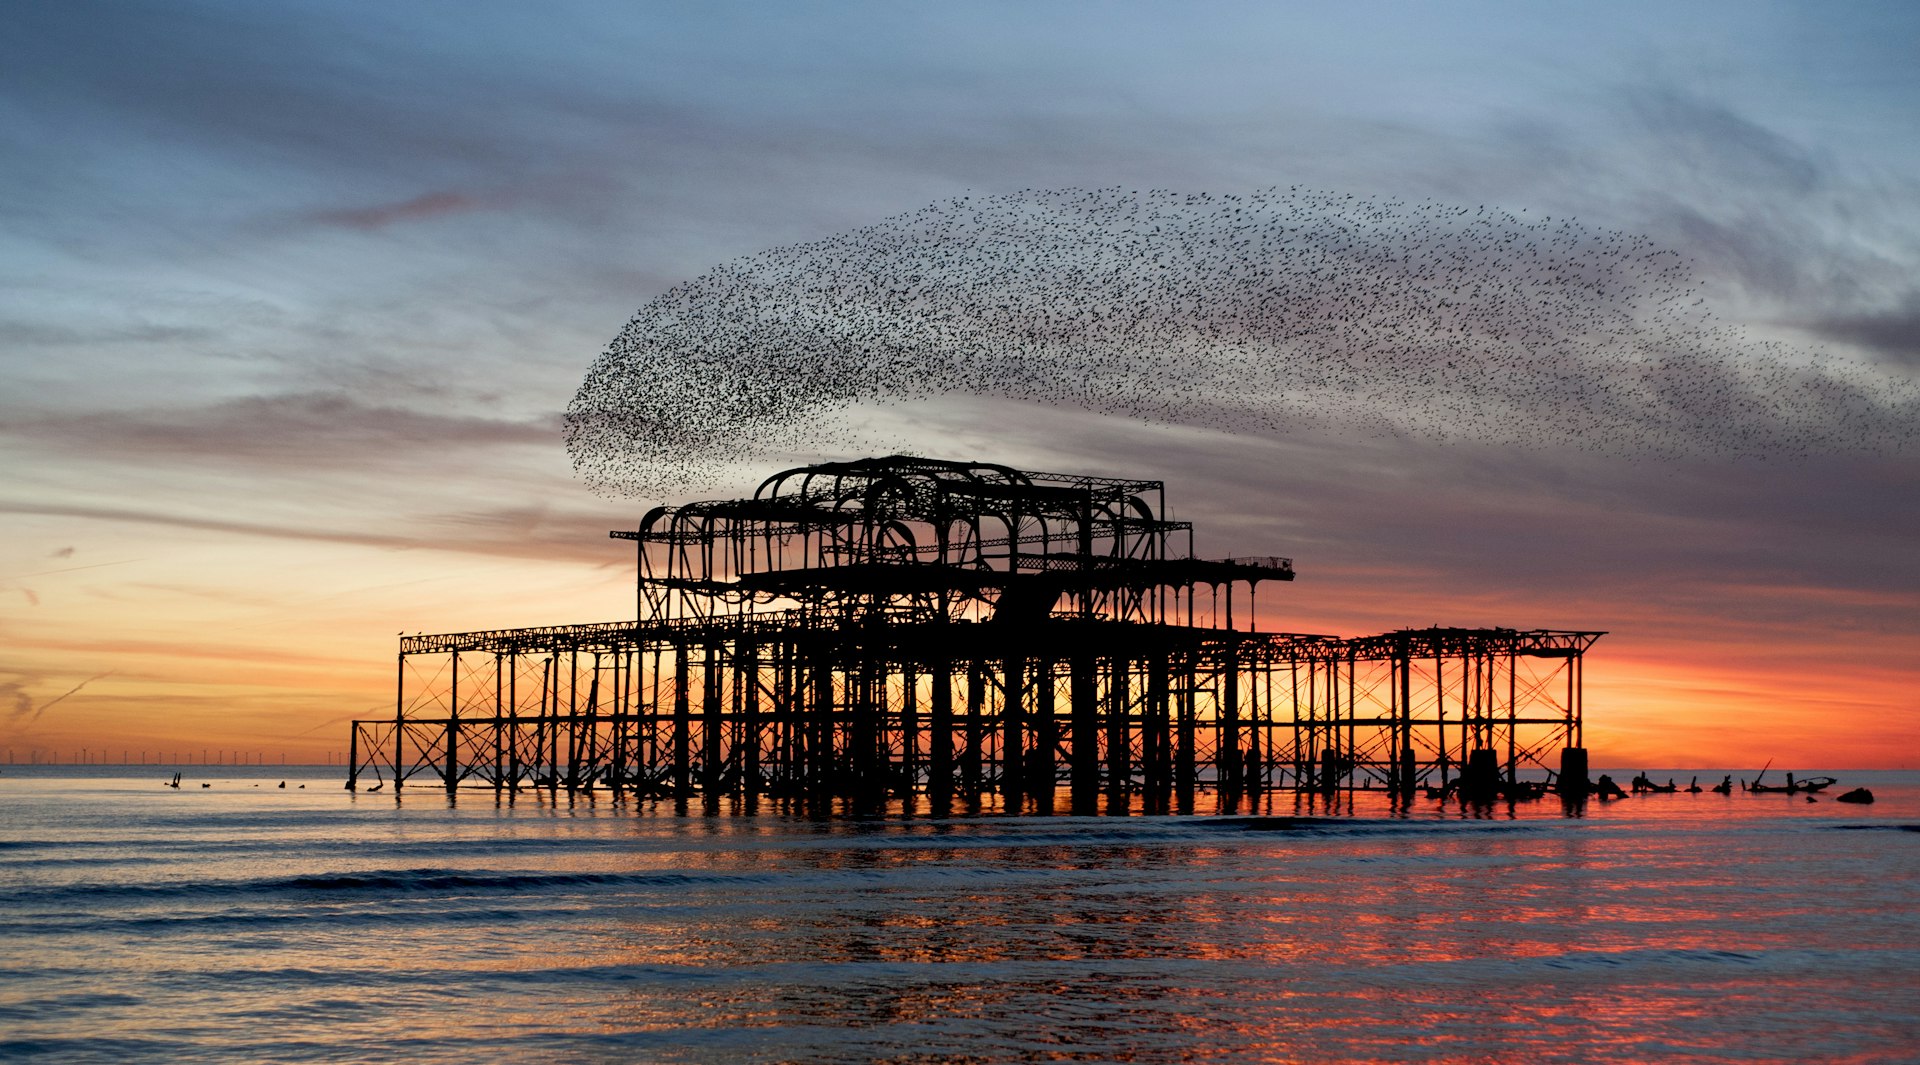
{"x":1480,"y":779}
{"x":1085,"y":708}
{"x":1013,"y":751}
{"x":682,"y":726}
{"x":712,"y":705}
{"x":1573,"y":772}
{"x":940,"y":736}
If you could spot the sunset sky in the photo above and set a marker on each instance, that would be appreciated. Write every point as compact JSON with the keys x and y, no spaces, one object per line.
{"x":292,"y":296}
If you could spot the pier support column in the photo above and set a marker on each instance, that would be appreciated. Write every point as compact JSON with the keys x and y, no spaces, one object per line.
{"x":712,"y":705}
{"x":1227,"y":758}
{"x":747,"y":681}
{"x":1119,"y":733}
{"x":1085,"y":697}
{"x":1573,"y":772}
{"x":972,"y":754}
{"x":1329,"y":770}
{"x":1156,"y":741}
{"x":940,"y":737}
{"x":682,"y":725}
{"x":1480,"y":780}
{"x":1186,"y":770}
{"x":1013,"y":749}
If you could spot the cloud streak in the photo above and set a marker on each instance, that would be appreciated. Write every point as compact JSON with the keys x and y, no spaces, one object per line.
{"x":425,"y":206}
{"x":322,"y":429}
{"x":506,"y":532}
{"x":23,"y":707}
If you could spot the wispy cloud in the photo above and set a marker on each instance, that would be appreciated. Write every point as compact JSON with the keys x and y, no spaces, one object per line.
{"x":508,"y":532}
{"x":23,"y":707}
{"x":1892,"y":332}
{"x":380,"y":216}
{"x":15,"y":692}
{"x":309,"y":428}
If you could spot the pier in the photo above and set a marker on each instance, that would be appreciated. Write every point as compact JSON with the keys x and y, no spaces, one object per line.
{"x":903,"y":626}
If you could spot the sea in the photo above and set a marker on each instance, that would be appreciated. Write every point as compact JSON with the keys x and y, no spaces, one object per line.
{"x":233,"y":919}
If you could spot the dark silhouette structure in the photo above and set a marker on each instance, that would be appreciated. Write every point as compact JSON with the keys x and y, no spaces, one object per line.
{"x":948,"y":630}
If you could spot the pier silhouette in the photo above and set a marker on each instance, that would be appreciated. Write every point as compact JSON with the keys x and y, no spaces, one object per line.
{"x":909,"y":626}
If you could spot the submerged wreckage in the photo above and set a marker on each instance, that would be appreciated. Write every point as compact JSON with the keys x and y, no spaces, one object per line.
{"x":956,"y":630}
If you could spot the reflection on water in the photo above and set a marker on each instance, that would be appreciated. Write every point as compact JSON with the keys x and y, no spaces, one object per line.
{"x":291,"y":925}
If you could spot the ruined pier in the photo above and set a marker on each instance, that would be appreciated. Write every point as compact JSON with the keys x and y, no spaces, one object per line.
{"x":902,"y":626}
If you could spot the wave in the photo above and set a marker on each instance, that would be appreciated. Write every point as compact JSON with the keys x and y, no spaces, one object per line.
{"x":379,"y":882}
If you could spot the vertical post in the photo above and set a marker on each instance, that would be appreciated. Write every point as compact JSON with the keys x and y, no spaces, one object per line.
{"x":976,"y":700}
{"x":586,"y":728}
{"x":1119,"y":739}
{"x":1293,"y":692}
{"x":1352,"y":752}
{"x":1185,"y":770}
{"x":1408,"y":767}
{"x":1440,"y":711}
{"x":1046,"y":734}
{"x":1157,"y":742}
{"x":786,"y":742}
{"x":940,"y":735}
{"x":451,"y":773}
{"x":712,"y":705}
{"x":1226,"y":750}
{"x":1513,"y":716}
{"x":825,"y":770}
{"x":1083,"y":694}
{"x":682,"y":723}
{"x":540,"y":719}
{"x":909,"y":728}
{"x":865,"y":706}
{"x":749,"y":679}
{"x":513,"y":719}
{"x":1012,"y":743}
{"x":573,"y":720}
{"x":1576,"y":696}
{"x":400,"y":721}
{"x":622,"y":763}
{"x":499,"y":753}
{"x":1309,"y":756}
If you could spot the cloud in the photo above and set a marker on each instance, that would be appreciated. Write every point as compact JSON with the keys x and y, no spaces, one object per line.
{"x":507,"y":532}
{"x":1713,"y":141}
{"x":92,"y":334}
{"x":1893,"y":332}
{"x":429,"y":205}
{"x":15,"y":692}
{"x":23,"y":705}
{"x":43,"y":707}
{"x":323,"y":429}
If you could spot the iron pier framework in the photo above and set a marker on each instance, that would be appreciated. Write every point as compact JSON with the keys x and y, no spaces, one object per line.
{"x":906,"y":626}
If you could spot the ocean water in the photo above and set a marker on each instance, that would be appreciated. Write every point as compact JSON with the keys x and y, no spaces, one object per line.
{"x":245,"y":922}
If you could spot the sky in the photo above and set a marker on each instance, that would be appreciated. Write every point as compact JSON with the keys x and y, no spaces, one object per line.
{"x":293,"y":297}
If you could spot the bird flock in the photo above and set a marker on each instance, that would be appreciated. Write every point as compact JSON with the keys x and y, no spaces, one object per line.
{"x":1253,"y":314}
